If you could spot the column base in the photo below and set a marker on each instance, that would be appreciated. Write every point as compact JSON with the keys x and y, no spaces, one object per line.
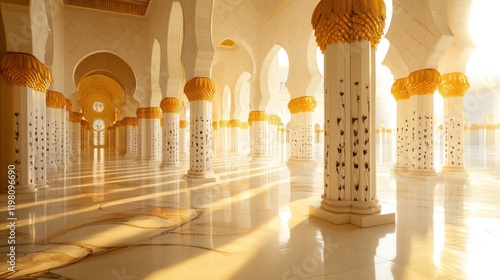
{"x":52,"y":168}
{"x":454,"y":170}
{"x":358,"y":220}
{"x":169,"y":166}
{"x":200,"y":177}
{"x":28,"y":188}
{"x":422,"y":172}
{"x":399,"y":168}
{"x":42,"y":184}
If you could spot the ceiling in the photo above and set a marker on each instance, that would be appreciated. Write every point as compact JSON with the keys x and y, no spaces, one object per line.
{"x":131,"y":7}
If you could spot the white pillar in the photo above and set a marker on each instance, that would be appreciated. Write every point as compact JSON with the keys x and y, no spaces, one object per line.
{"x":23,"y":128}
{"x":130,"y":135}
{"x":453,"y":88}
{"x":149,"y":135}
{"x":75,"y":119}
{"x":236,"y":137}
{"x":225,"y":144}
{"x":55,"y":103}
{"x":421,"y":85}
{"x":200,"y":92}
{"x":403,"y":130}
{"x":350,"y":194}
{"x":302,"y":128}
{"x":171,"y":108}
{"x":274,"y":121}
{"x":68,"y":138}
{"x":259,"y":134}
{"x":183,"y":138}
{"x":216,"y":142}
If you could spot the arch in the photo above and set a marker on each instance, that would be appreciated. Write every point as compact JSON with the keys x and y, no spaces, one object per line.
{"x":155,"y":67}
{"x":241,"y":100}
{"x":272,"y":81}
{"x":174,"y":46}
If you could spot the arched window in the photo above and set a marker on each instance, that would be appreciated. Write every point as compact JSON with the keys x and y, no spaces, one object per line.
{"x":98,"y":106}
{"x":98,"y":126}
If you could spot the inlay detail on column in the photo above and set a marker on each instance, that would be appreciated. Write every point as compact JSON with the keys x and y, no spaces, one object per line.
{"x":171,"y":108}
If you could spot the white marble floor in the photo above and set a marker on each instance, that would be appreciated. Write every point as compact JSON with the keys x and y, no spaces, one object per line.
{"x":108,"y":217}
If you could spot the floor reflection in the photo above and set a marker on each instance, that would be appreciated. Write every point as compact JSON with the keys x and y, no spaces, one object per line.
{"x":108,"y":217}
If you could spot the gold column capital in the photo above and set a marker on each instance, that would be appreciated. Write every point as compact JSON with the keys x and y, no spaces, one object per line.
{"x":215,"y":124}
{"x":149,"y":113}
{"x":244,"y":125}
{"x":333,"y":22}
{"x":22,"y":69}
{"x":69,"y":105}
{"x":54,"y":99}
{"x":200,"y":88}
{"x":118,"y":123}
{"x":399,"y":90}
{"x":302,"y":104}
{"x":85,"y":124}
{"x":75,"y":117}
{"x":131,"y":121}
{"x":422,"y":82}
{"x":171,"y":105}
{"x":454,"y":84}
{"x":234,"y":123}
{"x":223,"y":123}
{"x":274,"y":120}
{"x":256,"y":116}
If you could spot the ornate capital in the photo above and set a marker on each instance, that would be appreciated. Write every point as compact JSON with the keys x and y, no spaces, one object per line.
{"x":274,"y":120}
{"x":423,"y":82}
{"x":234,"y":123}
{"x":200,"y":88}
{"x":69,"y":105}
{"x":171,"y":105}
{"x":399,"y":90}
{"x":22,"y":69}
{"x":258,"y":116}
{"x":54,"y":99}
{"x":149,"y":113}
{"x":85,"y":124}
{"x":118,"y":123}
{"x":454,"y":84}
{"x":183,"y":124}
{"x":347,"y":21}
{"x":302,"y":104}
{"x":215,"y":124}
{"x":130,"y":121}
{"x":75,"y":117}
{"x":244,"y":125}
{"x":224,"y":123}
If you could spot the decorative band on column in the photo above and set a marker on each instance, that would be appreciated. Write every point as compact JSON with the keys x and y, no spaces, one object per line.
{"x":302,"y":104}
{"x":244,"y":125}
{"x":22,"y":69}
{"x":183,"y":124}
{"x":171,"y":105}
{"x":200,"y":88}
{"x":333,"y":22}
{"x":75,"y":117}
{"x":257,"y":116}
{"x":118,"y":123}
{"x":234,"y":123}
{"x":422,"y":82}
{"x":149,"y":113}
{"x":454,"y":84}
{"x":215,"y":124}
{"x":54,"y":99}
{"x":399,"y":90}
{"x":85,"y":124}
{"x":224,"y":124}
{"x":69,"y":105}
{"x":131,"y":121}
{"x":274,"y":120}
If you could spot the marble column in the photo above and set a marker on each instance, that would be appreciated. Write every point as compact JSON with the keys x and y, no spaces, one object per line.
{"x":453,"y":88}
{"x":403,"y":130}
{"x":85,"y":135}
{"x":489,"y":135}
{"x":274,"y":121}
{"x":302,"y":128}
{"x":245,"y":137}
{"x":118,"y":136}
{"x":75,"y":119}
{"x":55,"y":103}
{"x":23,"y":117}
{"x":149,"y":135}
{"x":421,"y":85}
{"x":183,"y":138}
{"x":216,"y":145}
{"x":67,"y":131}
{"x":200,"y":92}
{"x":234,"y":126}
{"x":130,"y":135}
{"x":259,"y":134}
{"x":350,"y":194}
{"x":224,"y":136}
{"x":171,"y":108}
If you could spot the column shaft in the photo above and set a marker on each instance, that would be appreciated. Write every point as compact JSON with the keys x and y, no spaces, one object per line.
{"x":200,"y":152}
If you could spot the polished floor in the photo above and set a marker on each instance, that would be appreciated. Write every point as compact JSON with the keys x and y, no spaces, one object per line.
{"x":108,"y":217}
